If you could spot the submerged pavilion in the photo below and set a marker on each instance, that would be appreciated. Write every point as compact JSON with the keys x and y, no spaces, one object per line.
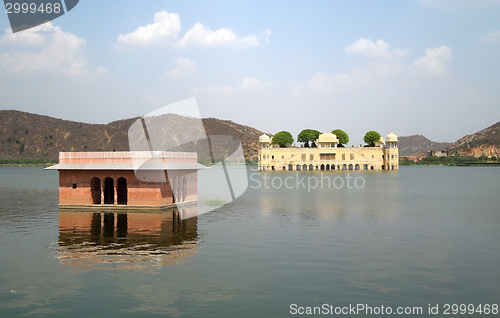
{"x":127,"y":179}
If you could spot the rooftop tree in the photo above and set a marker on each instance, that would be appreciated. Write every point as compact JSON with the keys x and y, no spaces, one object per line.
{"x":371,"y":138}
{"x":283,"y":139}
{"x":308,"y":135}
{"x":342,"y":136}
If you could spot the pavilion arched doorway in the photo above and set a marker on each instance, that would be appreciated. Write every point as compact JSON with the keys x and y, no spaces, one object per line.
{"x":95,"y":189}
{"x":121,"y":191}
{"x":109,"y":191}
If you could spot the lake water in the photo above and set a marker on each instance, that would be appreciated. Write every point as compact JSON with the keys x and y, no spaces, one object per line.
{"x":416,"y":237}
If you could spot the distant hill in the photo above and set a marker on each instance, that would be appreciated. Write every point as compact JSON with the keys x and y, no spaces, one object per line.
{"x":482,"y":143}
{"x":485,"y":142}
{"x":418,"y":145}
{"x":29,"y":136}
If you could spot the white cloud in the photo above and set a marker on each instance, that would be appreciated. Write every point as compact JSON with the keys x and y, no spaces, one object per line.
{"x":378,"y":72}
{"x":435,"y":62}
{"x":325,"y":84}
{"x":492,"y":37}
{"x":377,"y":49}
{"x":50,"y":49}
{"x":265,"y":35}
{"x":184,"y":67}
{"x":23,"y":38}
{"x":219,"y":91}
{"x":166,"y":28}
{"x":101,"y":70}
{"x":246,"y":85}
{"x":253,"y":83}
{"x":322,"y":83}
{"x":200,"y":35}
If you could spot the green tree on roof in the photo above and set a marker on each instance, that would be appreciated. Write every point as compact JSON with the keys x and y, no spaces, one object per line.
{"x":371,"y":138}
{"x":283,"y":139}
{"x":342,"y":136}
{"x":308,"y":135}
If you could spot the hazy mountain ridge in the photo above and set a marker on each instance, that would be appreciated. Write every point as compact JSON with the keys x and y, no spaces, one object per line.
{"x":484,"y":142}
{"x":30,"y":136}
{"x":418,"y":145}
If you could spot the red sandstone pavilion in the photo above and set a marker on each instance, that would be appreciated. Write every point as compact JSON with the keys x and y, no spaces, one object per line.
{"x":127,"y":180}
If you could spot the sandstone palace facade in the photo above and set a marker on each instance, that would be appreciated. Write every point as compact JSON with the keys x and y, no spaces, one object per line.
{"x":328,"y":156}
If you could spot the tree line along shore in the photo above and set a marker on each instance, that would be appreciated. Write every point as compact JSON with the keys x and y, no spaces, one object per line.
{"x":450,"y":161}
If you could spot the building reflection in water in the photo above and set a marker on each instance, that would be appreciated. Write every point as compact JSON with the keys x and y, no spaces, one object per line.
{"x":97,"y":240}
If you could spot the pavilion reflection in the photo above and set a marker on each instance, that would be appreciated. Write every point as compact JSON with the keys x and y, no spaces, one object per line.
{"x":93,"y":240}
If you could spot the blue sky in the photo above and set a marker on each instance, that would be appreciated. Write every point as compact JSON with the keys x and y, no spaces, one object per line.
{"x":414,"y":67}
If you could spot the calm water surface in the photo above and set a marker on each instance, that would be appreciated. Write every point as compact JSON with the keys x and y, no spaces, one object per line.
{"x":420,"y":236}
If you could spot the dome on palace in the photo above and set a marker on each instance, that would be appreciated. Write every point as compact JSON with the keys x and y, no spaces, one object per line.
{"x":328,"y":137}
{"x":392,"y":137}
{"x":264,"y":138}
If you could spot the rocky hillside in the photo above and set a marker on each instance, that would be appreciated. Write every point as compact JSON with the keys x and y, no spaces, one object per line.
{"x":485,"y":142}
{"x":418,"y":145}
{"x":30,"y":136}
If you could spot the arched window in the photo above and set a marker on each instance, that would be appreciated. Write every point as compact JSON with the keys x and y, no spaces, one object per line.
{"x":304,"y":167}
{"x":95,"y":190}
{"x":327,"y":167}
{"x":283,"y":168}
{"x":311,"y":167}
{"x":298,"y":167}
{"x":121,"y":191}
{"x":109,"y":191}
{"x":350,"y":166}
{"x":356,"y":167}
{"x":290,"y":167}
{"x":344,"y":167}
{"x":365,"y":167}
{"x":322,"y":167}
